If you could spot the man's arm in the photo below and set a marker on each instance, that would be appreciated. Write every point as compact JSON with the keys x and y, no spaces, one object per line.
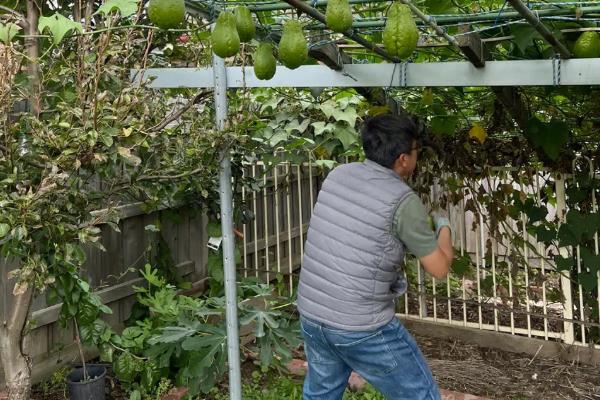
{"x":438,"y":262}
{"x":412,"y":228}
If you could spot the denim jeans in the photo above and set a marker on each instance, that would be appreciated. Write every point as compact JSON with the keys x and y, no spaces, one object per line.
{"x":388,"y":358}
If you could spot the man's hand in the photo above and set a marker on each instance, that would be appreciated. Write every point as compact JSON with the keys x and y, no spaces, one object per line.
{"x":440,"y":219}
{"x":438,"y":262}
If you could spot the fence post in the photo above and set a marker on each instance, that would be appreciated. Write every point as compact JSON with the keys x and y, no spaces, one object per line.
{"x":565,"y":281}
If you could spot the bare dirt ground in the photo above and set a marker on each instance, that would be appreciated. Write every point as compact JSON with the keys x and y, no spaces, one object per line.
{"x":499,"y":374}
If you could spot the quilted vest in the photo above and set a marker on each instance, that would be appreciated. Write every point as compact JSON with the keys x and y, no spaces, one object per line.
{"x":350,"y":271}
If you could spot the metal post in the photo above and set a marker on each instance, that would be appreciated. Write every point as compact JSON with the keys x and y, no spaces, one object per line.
{"x":233,"y":344}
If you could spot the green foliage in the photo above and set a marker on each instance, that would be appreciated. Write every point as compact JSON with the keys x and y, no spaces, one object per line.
{"x":182,"y":340}
{"x":58,"y":25}
{"x":284,"y":387}
{"x":8,"y":32}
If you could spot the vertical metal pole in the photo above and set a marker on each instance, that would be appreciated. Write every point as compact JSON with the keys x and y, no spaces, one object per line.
{"x":226,"y":196}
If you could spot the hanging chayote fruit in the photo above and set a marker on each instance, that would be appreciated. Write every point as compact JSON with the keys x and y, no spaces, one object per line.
{"x":293,"y":48}
{"x":264,"y":61}
{"x":338,"y":15}
{"x":225,"y":38}
{"x":166,"y":14}
{"x":244,"y":23}
{"x":587,"y":45}
{"x":400,"y":35}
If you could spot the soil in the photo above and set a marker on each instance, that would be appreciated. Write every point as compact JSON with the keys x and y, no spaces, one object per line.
{"x":499,"y":374}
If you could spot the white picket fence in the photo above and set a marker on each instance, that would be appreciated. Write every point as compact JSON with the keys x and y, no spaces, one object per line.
{"x":533,"y":300}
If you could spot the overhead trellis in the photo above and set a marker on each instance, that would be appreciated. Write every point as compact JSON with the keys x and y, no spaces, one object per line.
{"x":466,"y":32}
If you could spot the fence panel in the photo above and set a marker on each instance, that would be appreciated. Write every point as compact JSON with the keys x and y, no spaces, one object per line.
{"x":112,"y":273}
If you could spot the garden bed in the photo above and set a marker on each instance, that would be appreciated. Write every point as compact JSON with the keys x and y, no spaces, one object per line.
{"x":457,"y":366}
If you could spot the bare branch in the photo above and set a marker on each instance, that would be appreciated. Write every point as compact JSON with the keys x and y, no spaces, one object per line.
{"x":170,"y":177}
{"x":175,"y":115}
{"x":13,"y":12}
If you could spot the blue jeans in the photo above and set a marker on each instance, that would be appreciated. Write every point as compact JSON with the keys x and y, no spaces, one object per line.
{"x":388,"y":358}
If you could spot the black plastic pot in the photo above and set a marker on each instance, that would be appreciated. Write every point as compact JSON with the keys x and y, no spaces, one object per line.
{"x":91,"y":389}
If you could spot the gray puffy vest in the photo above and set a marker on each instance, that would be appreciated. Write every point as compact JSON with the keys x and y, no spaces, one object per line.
{"x":350,"y":271}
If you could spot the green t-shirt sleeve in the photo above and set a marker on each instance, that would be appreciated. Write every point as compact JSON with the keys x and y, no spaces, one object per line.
{"x":411,"y":227}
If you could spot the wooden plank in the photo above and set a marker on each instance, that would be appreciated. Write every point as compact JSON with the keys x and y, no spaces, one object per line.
{"x":472,"y":46}
{"x":133,"y":244}
{"x":169,"y":231}
{"x":36,"y":342}
{"x":110,"y":262}
{"x":198,"y":250}
{"x":108,"y":295}
{"x":283,"y":237}
{"x":183,"y":237}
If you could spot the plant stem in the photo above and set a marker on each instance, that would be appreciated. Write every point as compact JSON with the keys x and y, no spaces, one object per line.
{"x":78,"y":341}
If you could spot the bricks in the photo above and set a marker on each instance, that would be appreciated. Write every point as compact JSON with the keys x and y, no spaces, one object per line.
{"x":175,"y":394}
{"x":3,"y":396}
{"x":296,"y":367}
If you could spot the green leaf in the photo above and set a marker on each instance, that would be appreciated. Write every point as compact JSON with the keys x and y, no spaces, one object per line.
{"x":294,"y":125}
{"x":125,"y":7}
{"x":524,"y":36}
{"x":135,"y":395}
{"x":8,"y":32}
{"x":213,"y":229}
{"x":544,"y":234}
{"x":563,"y":264}
{"x":551,"y":137}
{"x":321,"y":127}
{"x":106,"y":352}
{"x":4,"y":229}
{"x":125,"y":367}
{"x":588,"y":281}
{"x":348,"y":115}
{"x":444,"y":124}
{"x":590,"y":260}
{"x":462,"y":266}
{"x":329,"y":164}
{"x":346,"y":135}
{"x":328,"y":109}
{"x":172,"y":334}
{"x":58,"y":25}
{"x":566,"y":237}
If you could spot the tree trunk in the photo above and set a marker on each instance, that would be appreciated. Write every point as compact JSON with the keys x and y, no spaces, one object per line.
{"x":16,"y":364}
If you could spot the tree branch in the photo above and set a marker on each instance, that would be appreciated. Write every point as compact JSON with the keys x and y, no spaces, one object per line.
{"x":169,"y":177}
{"x":21,"y":17}
{"x":175,"y":115}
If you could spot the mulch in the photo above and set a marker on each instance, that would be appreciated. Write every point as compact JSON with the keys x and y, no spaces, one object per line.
{"x":498,"y":374}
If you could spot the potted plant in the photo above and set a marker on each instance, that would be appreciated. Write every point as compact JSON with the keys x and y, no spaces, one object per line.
{"x":88,"y":381}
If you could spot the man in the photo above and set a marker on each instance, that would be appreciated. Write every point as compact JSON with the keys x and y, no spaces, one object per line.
{"x":364,"y":218}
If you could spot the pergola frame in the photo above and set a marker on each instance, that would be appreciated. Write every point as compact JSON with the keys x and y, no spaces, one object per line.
{"x":475,"y":73}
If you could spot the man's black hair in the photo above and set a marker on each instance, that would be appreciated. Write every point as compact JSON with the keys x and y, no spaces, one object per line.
{"x":387,"y":136}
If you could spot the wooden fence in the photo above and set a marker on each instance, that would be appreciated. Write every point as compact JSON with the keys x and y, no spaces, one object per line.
{"x":272,"y":242}
{"x":112,"y":273}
